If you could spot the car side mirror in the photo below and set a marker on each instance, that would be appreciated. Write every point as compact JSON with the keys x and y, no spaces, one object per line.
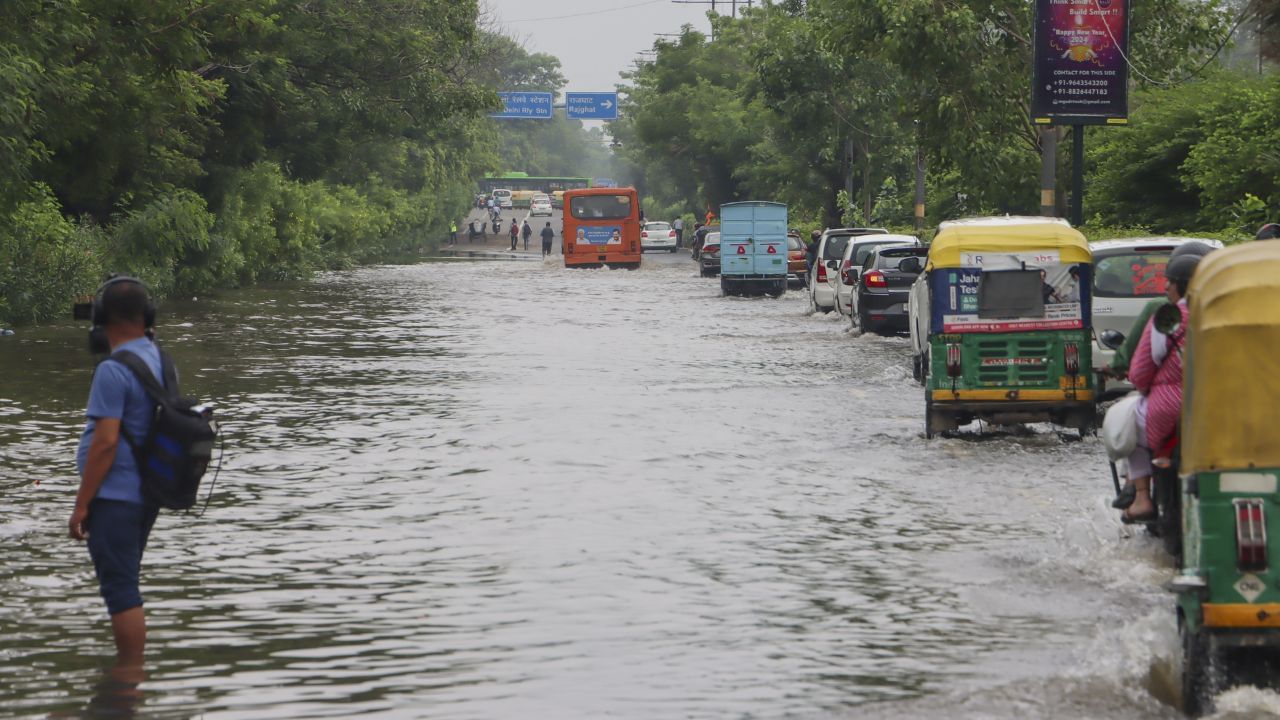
{"x":1168,"y":318}
{"x":1111,"y":339}
{"x":910,"y":265}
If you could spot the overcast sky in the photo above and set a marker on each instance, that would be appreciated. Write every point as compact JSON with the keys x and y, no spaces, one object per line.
{"x":594,"y":39}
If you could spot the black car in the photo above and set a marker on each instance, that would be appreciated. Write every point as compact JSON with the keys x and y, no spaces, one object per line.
{"x":880,"y":298}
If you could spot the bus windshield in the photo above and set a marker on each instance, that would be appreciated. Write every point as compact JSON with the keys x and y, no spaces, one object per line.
{"x":601,"y":207}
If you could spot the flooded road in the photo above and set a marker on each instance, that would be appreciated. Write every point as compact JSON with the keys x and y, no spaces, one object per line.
{"x":510,"y":490}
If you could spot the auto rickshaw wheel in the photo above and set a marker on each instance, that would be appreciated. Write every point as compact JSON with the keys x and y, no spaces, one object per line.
{"x":1197,"y":685}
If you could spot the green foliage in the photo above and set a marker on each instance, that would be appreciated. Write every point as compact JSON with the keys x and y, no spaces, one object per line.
{"x":798,"y":101}
{"x":45,"y":259}
{"x":206,"y":143}
{"x":1198,"y":156}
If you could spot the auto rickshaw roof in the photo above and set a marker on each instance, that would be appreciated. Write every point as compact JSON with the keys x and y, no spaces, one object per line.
{"x":1231,"y":407}
{"x":1006,"y":235}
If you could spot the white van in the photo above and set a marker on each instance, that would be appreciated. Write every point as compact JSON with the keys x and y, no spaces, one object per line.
{"x":502,"y":198}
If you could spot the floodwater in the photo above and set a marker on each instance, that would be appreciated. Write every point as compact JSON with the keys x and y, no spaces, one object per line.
{"x":510,"y":490}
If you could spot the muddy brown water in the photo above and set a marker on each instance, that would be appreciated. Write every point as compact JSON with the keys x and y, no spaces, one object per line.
{"x":510,"y":490}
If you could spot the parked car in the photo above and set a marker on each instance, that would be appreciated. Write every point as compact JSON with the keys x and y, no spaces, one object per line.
{"x":709,"y":255}
{"x":657,"y":236}
{"x":856,"y":252}
{"x":822,"y":276}
{"x":796,"y":265}
{"x":883,"y":288}
{"x":1127,"y":274}
{"x":541,"y":205}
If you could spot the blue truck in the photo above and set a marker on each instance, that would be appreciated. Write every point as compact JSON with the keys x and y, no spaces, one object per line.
{"x":753,"y":248}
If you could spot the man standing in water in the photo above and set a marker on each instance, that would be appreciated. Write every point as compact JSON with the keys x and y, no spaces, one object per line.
{"x":525,"y":233}
{"x":547,"y":236}
{"x":515,"y":234}
{"x":110,"y":512}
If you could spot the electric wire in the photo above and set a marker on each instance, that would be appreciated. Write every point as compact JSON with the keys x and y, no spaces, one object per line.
{"x":589,"y":12}
{"x":1244,"y":15}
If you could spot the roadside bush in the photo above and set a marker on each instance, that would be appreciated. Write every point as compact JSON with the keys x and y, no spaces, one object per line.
{"x":46,"y":260}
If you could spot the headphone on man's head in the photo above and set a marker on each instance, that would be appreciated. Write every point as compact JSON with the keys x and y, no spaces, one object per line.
{"x":98,"y":343}
{"x":99,"y":312}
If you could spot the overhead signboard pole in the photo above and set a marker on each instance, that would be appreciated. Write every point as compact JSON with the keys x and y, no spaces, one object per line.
{"x":1081,"y":73}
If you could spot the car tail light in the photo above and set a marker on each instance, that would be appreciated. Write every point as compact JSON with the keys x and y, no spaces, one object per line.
{"x":671,"y":234}
{"x":1071,"y":357}
{"x":711,"y":249}
{"x":875,"y":279}
{"x":1251,"y":534}
{"x":644,"y":235}
{"x":822,"y":272}
{"x":953,"y":361}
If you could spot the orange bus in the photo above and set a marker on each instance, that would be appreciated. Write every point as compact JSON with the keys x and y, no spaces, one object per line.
{"x":601,"y":227}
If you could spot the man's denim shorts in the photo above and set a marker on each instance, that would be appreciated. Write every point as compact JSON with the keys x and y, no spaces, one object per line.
{"x":118,"y":533}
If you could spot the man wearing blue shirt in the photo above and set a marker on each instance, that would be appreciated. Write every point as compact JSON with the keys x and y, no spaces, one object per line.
{"x":110,"y":511}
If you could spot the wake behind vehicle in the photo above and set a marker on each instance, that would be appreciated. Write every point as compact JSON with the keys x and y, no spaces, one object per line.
{"x":822,"y":279}
{"x":1000,"y":325}
{"x":753,"y":248}
{"x":1228,"y":592}
{"x":602,"y":227}
{"x":883,"y":288}
{"x":657,"y":236}
{"x":851,"y":262}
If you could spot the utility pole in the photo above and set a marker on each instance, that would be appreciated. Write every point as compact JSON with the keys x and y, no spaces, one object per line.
{"x":1077,"y":175}
{"x":1048,"y":171}
{"x":712,"y":3}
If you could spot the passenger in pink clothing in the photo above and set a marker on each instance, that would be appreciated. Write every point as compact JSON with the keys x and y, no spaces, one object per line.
{"x":1156,"y":372}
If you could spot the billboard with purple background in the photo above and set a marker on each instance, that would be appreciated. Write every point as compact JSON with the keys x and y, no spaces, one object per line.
{"x":1081,"y":74}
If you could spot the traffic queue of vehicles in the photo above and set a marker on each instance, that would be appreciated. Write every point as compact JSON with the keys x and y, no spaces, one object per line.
{"x":1009,"y":320}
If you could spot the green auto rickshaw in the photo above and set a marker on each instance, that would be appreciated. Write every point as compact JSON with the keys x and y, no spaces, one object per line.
{"x":1228,"y":594}
{"x":1000,"y":324}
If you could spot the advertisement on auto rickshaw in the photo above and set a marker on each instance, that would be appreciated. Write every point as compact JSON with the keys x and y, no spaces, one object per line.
{"x":1011,"y":292}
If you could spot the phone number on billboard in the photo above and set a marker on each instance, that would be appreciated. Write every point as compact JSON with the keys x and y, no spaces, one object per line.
{"x":1082,"y":91}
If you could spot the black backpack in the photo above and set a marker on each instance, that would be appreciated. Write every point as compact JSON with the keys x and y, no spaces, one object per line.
{"x":176,"y":453}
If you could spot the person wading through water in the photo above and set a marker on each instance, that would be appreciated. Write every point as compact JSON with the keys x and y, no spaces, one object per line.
{"x":515,"y":234}
{"x":526,"y":232}
{"x":547,"y":236}
{"x":110,"y":511}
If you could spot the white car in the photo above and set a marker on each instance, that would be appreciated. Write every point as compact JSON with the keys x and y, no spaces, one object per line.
{"x":1127,"y":274}
{"x":502,"y":198}
{"x":822,"y":276}
{"x":657,"y":236}
{"x":541,"y":205}
{"x":855,"y":255}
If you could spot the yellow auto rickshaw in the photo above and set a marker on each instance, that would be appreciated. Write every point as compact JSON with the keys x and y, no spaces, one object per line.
{"x":1228,"y":593}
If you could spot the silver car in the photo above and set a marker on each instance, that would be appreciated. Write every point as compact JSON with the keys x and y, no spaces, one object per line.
{"x":826,"y":267}
{"x":1127,"y":274}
